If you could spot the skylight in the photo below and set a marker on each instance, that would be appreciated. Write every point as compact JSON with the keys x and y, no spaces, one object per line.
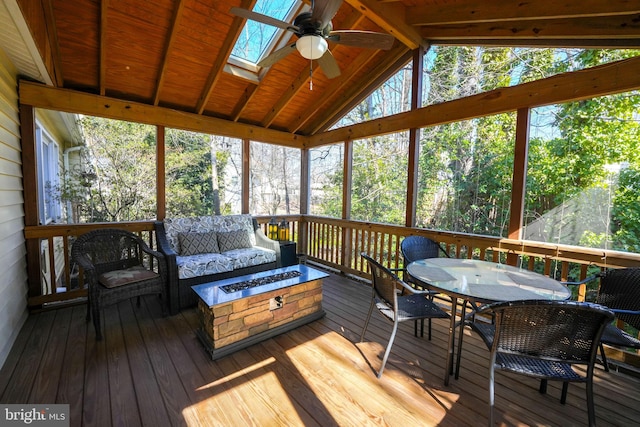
{"x":258,"y":40}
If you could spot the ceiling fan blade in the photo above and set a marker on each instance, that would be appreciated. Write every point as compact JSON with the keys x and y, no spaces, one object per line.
{"x":366,"y":39}
{"x":276,"y":56}
{"x":323,"y":11}
{"x":329,"y":65}
{"x":264,"y":19}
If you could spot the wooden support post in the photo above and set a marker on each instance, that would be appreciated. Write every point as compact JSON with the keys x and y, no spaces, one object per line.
{"x":305,"y":191}
{"x":346,"y":201}
{"x":30,"y":194}
{"x":519,"y":180}
{"x":161,"y":201}
{"x":414,"y":139}
{"x":246,"y":165}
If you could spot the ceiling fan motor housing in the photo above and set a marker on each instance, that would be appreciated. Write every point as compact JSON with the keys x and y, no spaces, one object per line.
{"x":308,"y":26}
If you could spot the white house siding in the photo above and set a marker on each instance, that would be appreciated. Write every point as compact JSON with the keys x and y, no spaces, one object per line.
{"x":13,"y":285}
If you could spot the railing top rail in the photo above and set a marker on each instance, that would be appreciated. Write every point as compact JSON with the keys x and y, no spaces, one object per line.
{"x":55,"y":230}
{"x":598,"y":257}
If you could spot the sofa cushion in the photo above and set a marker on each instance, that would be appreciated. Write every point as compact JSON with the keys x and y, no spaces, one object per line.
{"x":203,"y":265}
{"x":248,"y":257}
{"x":230,"y":240}
{"x":198,"y":243}
{"x":113,"y":279}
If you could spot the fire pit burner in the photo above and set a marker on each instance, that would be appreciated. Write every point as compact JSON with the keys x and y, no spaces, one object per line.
{"x":235,"y":287}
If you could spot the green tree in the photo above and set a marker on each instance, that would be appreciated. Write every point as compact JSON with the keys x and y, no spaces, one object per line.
{"x":379,"y":179}
{"x":122,"y":156}
{"x":592,"y":136}
{"x":625,"y":212}
{"x":188,"y":174}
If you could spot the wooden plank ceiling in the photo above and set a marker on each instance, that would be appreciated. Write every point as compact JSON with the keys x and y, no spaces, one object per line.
{"x":173,"y":53}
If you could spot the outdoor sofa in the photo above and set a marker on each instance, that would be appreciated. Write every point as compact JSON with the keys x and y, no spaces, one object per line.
{"x":208,"y":248}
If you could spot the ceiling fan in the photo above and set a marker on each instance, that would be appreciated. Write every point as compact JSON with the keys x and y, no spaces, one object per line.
{"x":313,"y":30}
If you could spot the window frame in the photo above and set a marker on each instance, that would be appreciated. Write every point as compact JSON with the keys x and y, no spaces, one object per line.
{"x":48,"y":171}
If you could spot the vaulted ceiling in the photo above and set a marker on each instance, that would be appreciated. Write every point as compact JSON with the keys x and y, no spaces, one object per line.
{"x":173,"y":53}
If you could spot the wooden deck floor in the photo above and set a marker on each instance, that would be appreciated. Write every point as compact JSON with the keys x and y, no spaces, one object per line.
{"x":151,"y":370}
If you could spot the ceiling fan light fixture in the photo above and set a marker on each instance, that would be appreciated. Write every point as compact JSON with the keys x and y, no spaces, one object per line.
{"x":311,"y":46}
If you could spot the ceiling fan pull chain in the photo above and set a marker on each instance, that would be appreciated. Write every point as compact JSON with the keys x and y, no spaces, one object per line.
{"x":311,"y":74}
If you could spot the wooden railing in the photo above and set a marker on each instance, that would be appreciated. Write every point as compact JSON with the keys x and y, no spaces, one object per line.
{"x":52,"y":276}
{"x":337,"y":244}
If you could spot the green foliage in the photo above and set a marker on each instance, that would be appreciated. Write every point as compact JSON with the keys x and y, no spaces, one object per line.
{"x":465,"y":168}
{"x":117,"y":182}
{"x":379,"y":179}
{"x":122,"y":156}
{"x":188,"y":168}
{"x":626,"y":211}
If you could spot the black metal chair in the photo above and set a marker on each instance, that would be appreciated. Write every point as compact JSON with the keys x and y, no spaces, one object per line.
{"x":545,"y":339}
{"x":118,"y":265}
{"x":414,"y":248}
{"x":394,"y":307}
{"x":619,"y":291}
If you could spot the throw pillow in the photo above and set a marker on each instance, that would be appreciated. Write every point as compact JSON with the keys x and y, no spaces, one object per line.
{"x":198,"y":243}
{"x":231,"y":240}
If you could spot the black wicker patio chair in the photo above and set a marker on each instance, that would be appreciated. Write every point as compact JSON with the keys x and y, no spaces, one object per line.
{"x":545,"y":339}
{"x":118,"y":265}
{"x":397,"y":308}
{"x":619,"y":291}
{"x":414,"y":248}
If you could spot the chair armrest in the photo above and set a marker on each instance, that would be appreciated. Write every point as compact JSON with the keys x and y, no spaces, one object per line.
{"x":583,"y":281}
{"x":264,"y":242}
{"x":162,"y":241}
{"x":622,"y":311}
{"x":412,"y":290}
{"x":86,"y":265}
{"x":146,"y":249}
{"x":160,"y":259}
{"x":171,"y":267}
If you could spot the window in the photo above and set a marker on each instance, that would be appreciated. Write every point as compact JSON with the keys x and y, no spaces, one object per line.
{"x":274,"y":180}
{"x":202,"y":174}
{"x":583,"y":183}
{"x":326,"y":180}
{"x":48,"y":177}
{"x":258,"y":40}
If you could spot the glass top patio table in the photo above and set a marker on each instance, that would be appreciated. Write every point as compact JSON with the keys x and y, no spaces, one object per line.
{"x":485,"y":282}
{"x":481,"y":282}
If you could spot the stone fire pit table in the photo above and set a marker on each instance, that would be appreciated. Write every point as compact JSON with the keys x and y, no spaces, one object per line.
{"x":240,"y":311}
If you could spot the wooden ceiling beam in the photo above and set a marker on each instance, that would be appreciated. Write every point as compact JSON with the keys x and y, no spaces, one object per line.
{"x":102,"y":67}
{"x":173,"y":30}
{"x":394,"y":59}
{"x":223,"y":55}
{"x":365,"y":91}
{"x":298,"y":83}
{"x":70,"y":101}
{"x":544,"y":43}
{"x":337,"y":86}
{"x":615,"y":77}
{"x":473,"y":11}
{"x":52,"y":35}
{"x":613,"y":27}
{"x":391,"y":18}
{"x":244,"y":101}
